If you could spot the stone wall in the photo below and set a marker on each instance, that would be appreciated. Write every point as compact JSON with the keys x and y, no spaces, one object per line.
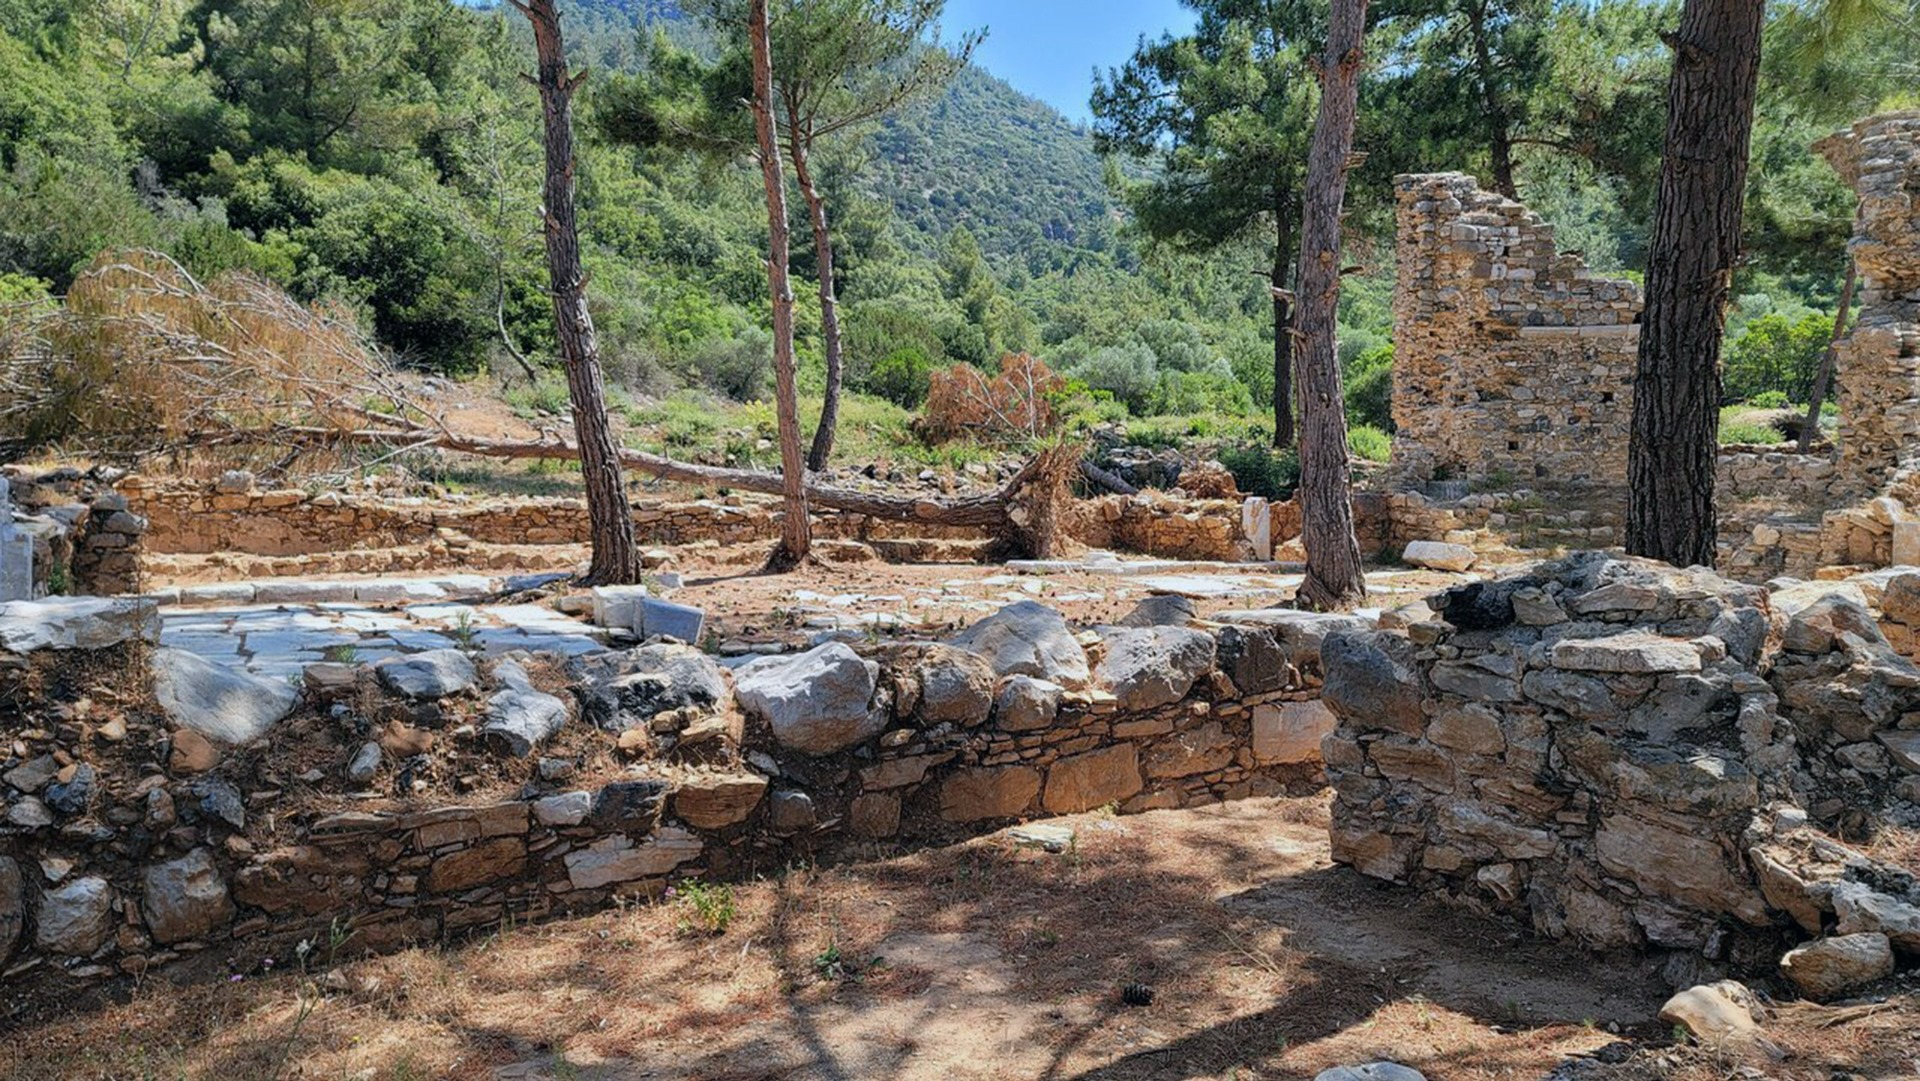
{"x":1510,"y":360}
{"x":1603,"y":748}
{"x":82,"y":536}
{"x":160,"y":839}
{"x":1877,"y":365}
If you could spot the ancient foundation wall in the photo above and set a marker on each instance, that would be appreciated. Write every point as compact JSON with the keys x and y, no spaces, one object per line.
{"x":1510,"y":360}
{"x":1618,"y":752}
{"x":144,"y":848}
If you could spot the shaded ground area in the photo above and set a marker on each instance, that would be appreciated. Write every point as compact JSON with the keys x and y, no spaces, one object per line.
{"x":983,"y":960}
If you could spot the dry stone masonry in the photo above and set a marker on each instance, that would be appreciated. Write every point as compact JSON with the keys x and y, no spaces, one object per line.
{"x":1628,"y":755}
{"x":1878,"y":363}
{"x":1509,"y":358}
{"x":233,"y":816}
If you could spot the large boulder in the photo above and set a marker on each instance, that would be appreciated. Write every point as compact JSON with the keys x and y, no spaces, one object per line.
{"x":185,"y":898}
{"x":1026,"y":704}
{"x":1438,"y":555}
{"x":618,"y":691}
{"x":1028,"y":639}
{"x":76,"y":918}
{"x":1149,"y":667}
{"x":521,"y":716}
{"x":225,"y":705}
{"x":816,"y":702}
{"x":436,"y":673}
{"x":1160,"y":610}
{"x":77,"y":623}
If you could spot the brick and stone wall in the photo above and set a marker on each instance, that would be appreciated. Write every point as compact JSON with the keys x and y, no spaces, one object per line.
{"x":1510,"y":360}
{"x":139,"y":843}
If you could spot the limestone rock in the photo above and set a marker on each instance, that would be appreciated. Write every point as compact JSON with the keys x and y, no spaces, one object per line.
{"x":1082,"y":782}
{"x":1715,"y":1014}
{"x":714,"y":801}
{"x":76,"y":918}
{"x":225,"y":705}
{"x":1291,"y":732}
{"x":1161,"y":610}
{"x":816,"y":702}
{"x":875,"y":814}
{"x":1862,"y":908}
{"x":616,"y":859}
{"x":971,"y":795}
{"x":1203,"y":749}
{"x":522,"y":718}
{"x":1833,"y":966}
{"x":565,"y":809}
{"x":1535,"y":607}
{"x":436,"y":673}
{"x":1029,"y":639}
{"x":77,"y":623}
{"x":1373,"y":681}
{"x":1149,"y":667}
{"x":939,"y":684}
{"x":1026,"y":704}
{"x":185,"y":898}
{"x":1900,"y":601}
{"x":364,"y":764}
{"x":1632,"y":653}
{"x":1438,"y":555}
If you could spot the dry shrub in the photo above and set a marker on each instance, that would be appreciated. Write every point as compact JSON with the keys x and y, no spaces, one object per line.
{"x":1016,"y":404}
{"x":141,"y":355}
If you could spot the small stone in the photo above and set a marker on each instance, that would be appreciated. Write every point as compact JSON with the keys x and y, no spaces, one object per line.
{"x":1048,"y":838}
{"x":565,"y":809}
{"x":1714,"y":1014}
{"x":29,"y":813}
{"x":791,"y":811}
{"x":715,"y":801}
{"x":76,"y":918}
{"x":192,"y":753}
{"x":72,"y":795}
{"x":1026,"y":704}
{"x":365,"y":763}
{"x":434,"y":674}
{"x":185,"y":898}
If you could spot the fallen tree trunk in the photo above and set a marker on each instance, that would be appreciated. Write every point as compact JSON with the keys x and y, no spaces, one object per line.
{"x":994,"y":512}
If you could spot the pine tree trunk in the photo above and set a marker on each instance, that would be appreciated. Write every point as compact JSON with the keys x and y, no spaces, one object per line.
{"x":1823,"y":379}
{"x":796,"y":532}
{"x":1690,"y":264}
{"x":1282,"y":327}
{"x":1335,"y":578}
{"x":1493,"y":109}
{"x":616,"y":555}
{"x":823,"y":434}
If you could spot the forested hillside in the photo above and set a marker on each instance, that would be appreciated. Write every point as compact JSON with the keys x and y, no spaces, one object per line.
{"x":385,"y":156}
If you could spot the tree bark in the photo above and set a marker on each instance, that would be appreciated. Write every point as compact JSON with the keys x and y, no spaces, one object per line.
{"x":1493,"y":109}
{"x":991,"y":513}
{"x":616,"y":555}
{"x":796,"y":532}
{"x":1824,"y":377}
{"x":824,"y":432}
{"x":1282,"y":326}
{"x":1690,"y":264}
{"x":1335,"y":578}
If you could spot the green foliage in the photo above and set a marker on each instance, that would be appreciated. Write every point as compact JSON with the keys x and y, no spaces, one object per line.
{"x":1262,"y":471}
{"x":1368,"y":388}
{"x":1369,"y":443}
{"x":1776,"y":355}
{"x":705,"y":907}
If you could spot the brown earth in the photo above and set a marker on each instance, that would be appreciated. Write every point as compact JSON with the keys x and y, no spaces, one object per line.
{"x":982,"y":960}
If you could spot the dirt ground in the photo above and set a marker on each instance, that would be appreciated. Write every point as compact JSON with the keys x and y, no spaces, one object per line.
{"x":982,"y":960}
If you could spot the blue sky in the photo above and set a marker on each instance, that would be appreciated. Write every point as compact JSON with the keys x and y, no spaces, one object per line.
{"x":1049,"y":48}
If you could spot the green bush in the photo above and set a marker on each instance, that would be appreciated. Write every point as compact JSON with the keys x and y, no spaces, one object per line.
{"x":1776,"y":354}
{"x":1769,"y":399}
{"x":1199,"y":392}
{"x":1369,"y":388}
{"x":1369,"y":443}
{"x":1263,"y":471}
{"x":902,"y":376}
{"x":1128,"y":372}
{"x":738,"y":367}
